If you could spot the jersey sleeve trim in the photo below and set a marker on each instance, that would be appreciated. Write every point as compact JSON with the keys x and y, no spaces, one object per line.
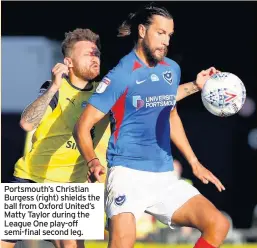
{"x":54,"y":102}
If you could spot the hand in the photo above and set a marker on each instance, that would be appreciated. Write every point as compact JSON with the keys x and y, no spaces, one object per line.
{"x":95,"y":171}
{"x":57,"y":74}
{"x":204,"y":75}
{"x":205,"y":175}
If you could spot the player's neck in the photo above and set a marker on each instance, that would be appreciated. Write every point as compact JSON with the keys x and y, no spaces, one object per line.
{"x":140,"y":53}
{"x":78,"y":82}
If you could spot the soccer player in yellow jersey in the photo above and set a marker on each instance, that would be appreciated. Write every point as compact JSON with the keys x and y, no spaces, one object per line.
{"x":54,"y":156}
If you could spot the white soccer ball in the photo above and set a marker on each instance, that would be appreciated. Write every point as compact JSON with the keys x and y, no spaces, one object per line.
{"x":223,"y":94}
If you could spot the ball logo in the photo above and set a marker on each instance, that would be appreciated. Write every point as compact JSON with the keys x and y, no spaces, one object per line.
{"x":167,"y":75}
{"x":138,"y":102}
{"x":220,"y":97}
{"x":120,"y":200}
{"x":220,"y":75}
{"x":103,"y":85}
{"x":229,"y":96}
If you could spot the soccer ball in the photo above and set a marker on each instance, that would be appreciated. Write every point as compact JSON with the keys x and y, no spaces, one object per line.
{"x":223,"y":94}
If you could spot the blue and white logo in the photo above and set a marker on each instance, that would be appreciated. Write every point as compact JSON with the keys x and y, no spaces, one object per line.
{"x":120,"y":200}
{"x":154,"y":78}
{"x":167,"y":75}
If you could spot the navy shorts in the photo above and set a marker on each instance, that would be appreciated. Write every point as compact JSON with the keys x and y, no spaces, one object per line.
{"x":15,"y":179}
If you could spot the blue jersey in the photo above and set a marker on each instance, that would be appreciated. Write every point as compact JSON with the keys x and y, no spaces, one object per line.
{"x":139,"y":99}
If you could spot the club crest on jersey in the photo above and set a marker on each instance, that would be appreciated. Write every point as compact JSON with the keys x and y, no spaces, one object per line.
{"x":120,"y":200}
{"x":103,"y":85}
{"x":167,"y":75}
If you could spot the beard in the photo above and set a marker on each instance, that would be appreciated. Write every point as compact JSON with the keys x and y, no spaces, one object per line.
{"x":86,"y":74}
{"x":152,"y":59}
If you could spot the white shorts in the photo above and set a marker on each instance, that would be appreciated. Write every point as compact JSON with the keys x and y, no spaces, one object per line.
{"x":158,"y":194}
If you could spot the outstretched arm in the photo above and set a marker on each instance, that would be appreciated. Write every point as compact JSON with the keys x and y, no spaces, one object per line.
{"x":188,"y":89}
{"x":179,"y":138}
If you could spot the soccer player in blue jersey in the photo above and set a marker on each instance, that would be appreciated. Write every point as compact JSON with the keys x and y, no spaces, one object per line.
{"x":141,"y":94}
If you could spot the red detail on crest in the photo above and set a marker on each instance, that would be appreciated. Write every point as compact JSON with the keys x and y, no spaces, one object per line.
{"x":118,"y":111}
{"x":136,"y":65}
{"x":164,"y":63}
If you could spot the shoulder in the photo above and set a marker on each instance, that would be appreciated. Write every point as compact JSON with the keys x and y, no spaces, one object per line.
{"x":120,"y":74}
{"x":124,"y":66}
{"x":172,"y":64}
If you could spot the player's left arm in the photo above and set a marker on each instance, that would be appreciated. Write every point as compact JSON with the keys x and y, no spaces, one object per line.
{"x":179,"y":138}
{"x":190,"y":88}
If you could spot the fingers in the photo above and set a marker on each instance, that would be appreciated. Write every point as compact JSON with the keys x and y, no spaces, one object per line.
{"x":89,"y":176}
{"x":210,"y":71}
{"x":60,"y":69}
{"x":210,"y":177}
{"x":218,"y":182}
{"x":56,"y":67}
{"x":102,"y":172}
{"x":206,"y":176}
{"x":98,"y":173}
{"x":92,"y":178}
{"x":98,"y":178}
{"x":205,"y":181}
{"x":94,"y":174}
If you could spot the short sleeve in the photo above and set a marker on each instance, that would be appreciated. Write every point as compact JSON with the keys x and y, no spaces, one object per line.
{"x":110,"y":89}
{"x":53,"y":103}
{"x":178,"y":72}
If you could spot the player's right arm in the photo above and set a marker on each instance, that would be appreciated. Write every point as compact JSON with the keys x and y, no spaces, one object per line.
{"x":107,"y":93}
{"x":82,"y":135}
{"x":33,"y":114}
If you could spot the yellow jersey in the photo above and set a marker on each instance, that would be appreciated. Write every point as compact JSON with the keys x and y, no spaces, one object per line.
{"x":51,"y":153}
